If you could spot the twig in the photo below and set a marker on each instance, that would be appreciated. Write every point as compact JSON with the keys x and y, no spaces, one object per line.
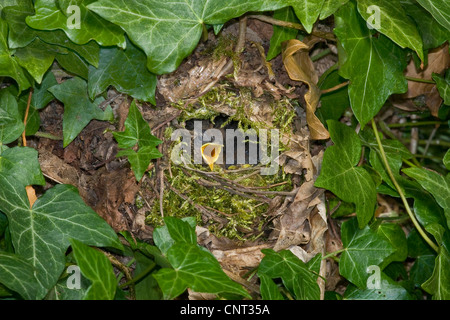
{"x":162,"y":124}
{"x":325,"y":35}
{"x":400,"y":191}
{"x":122,"y":268}
{"x":419,"y":80}
{"x":335,"y":88}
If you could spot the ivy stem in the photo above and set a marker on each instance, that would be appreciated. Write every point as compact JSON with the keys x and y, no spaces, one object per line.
{"x":321,"y":54}
{"x":335,"y":88}
{"x":333,"y":254}
{"x":139,"y":276}
{"x":419,"y":80}
{"x":416,"y":124}
{"x":400,"y":191}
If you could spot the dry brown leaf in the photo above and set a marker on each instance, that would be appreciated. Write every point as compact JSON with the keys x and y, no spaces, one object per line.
{"x":438,"y":62}
{"x":299,"y":66}
{"x":31,"y":193}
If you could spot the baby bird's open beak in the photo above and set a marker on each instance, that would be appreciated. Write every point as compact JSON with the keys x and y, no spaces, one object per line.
{"x":211,"y":153}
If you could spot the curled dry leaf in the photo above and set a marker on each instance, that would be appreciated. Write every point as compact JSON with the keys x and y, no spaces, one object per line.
{"x":299,"y":66}
{"x":438,"y":62}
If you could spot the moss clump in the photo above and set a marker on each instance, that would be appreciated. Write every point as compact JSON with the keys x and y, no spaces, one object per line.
{"x":243,"y":214}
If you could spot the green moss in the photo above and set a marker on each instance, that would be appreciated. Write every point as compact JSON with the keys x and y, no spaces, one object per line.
{"x":241,"y":213}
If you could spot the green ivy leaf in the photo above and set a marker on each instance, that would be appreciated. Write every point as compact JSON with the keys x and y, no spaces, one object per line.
{"x":72,"y":63}
{"x":20,"y":34}
{"x":394,"y":23}
{"x":140,"y":160}
{"x":92,"y":27}
{"x":446,"y":160}
{"x":182,"y":229}
{"x":443,"y":86}
{"x":281,"y":34}
{"x":137,"y":131}
{"x":340,"y":175}
{"x":21,"y":163}
{"x":397,"y":238}
{"x":330,"y":7}
{"x":9,"y":66}
{"x":332,"y":104}
{"x":11,"y":124}
{"x":433,"y":34}
{"x":194,"y":268}
{"x":126,"y":71}
{"x":388,"y":290}
{"x":78,"y":108}
{"x":439,"y":9}
{"x":439,"y":283}
{"x":169,"y":31}
{"x":41,"y":234}
{"x":363,"y":248}
{"x":97,"y":268}
{"x":269,"y":290}
{"x":434,"y":183}
{"x":37,"y":57}
{"x":307,"y":11}
{"x":299,"y":278}
{"x":17,"y":274}
{"x":364,"y":60}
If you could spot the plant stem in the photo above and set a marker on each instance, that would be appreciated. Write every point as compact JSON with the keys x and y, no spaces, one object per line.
{"x":419,"y":80}
{"x":333,"y":254}
{"x":47,"y":135}
{"x":321,"y":54}
{"x":400,"y":191}
{"x":325,"y":35}
{"x":416,"y":124}
{"x":139,"y":276}
{"x":335,"y":88}
{"x":433,"y":143}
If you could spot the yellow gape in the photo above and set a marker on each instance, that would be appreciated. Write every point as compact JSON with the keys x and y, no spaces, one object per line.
{"x":211,"y":152}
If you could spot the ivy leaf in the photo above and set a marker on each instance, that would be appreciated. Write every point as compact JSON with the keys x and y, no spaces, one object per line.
{"x":196,"y":269}
{"x":21,"y":163}
{"x":397,"y":238}
{"x":92,"y":27}
{"x":393,"y":22}
{"x":73,"y":64}
{"x":299,"y":278}
{"x":9,"y":66}
{"x":11,"y":124}
{"x":307,"y":11}
{"x":182,"y":229}
{"x":443,"y":86}
{"x":97,"y":268}
{"x":126,"y":71}
{"x":21,"y":34}
{"x":439,"y":9}
{"x":37,"y":57}
{"x":140,"y":160}
{"x":388,"y":290}
{"x":332,"y":104}
{"x":330,"y":7}
{"x":340,"y":175}
{"x":281,"y":34}
{"x":434,"y":183}
{"x":362,"y":248}
{"x":41,"y":234}
{"x":169,"y":31}
{"x":439,"y":283}
{"x":364,"y":60}
{"x":18,"y":275}
{"x":137,"y":131}
{"x":447,"y":160}
{"x":433,"y":34}
{"x":269,"y":290}
{"x":78,"y":108}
